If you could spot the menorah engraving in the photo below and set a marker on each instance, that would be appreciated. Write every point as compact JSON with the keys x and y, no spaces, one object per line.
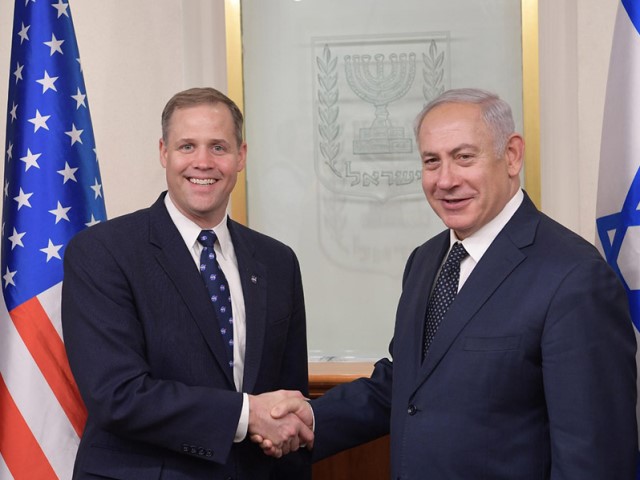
{"x":372,"y":84}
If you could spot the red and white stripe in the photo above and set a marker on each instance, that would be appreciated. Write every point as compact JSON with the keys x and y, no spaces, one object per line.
{"x":41,"y":412}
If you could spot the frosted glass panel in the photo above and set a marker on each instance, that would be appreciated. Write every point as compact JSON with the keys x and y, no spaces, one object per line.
{"x":331,"y":91}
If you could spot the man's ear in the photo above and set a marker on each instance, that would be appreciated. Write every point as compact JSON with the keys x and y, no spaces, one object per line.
{"x":242,"y":153}
{"x":514,"y":154}
{"x":163,"y":153}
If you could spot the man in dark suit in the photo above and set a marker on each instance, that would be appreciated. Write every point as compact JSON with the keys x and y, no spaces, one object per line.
{"x":173,"y":379}
{"x":516,"y":360}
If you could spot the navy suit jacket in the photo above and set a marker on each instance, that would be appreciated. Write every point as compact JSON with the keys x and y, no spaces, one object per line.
{"x":143,"y":345}
{"x":531,"y":375}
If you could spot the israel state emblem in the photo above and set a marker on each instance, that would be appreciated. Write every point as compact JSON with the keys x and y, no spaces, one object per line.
{"x":367,"y":93}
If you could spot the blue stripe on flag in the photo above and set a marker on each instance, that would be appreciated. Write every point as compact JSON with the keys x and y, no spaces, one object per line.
{"x":633,"y":10}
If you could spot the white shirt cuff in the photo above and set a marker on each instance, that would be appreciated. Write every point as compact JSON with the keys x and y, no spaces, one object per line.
{"x":243,"y":422}
{"x":313,"y":418}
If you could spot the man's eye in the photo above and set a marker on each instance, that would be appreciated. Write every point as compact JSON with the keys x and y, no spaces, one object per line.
{"x":219,"y":149}
{"x":429,"y":162}
{"x":186,"y":148}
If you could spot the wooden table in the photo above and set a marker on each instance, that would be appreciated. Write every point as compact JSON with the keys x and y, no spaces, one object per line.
{"x":366,"y":462}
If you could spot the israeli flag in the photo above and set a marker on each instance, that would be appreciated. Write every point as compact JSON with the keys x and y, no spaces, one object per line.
{"x":617,"y":212}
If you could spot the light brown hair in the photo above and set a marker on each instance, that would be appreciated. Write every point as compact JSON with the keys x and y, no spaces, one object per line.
{"x":201,"y":96}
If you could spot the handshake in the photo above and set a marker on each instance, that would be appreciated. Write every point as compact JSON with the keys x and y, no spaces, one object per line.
{"x":281,"y":422}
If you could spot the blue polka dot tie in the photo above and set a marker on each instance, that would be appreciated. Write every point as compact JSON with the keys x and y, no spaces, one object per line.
{"x":219,"y":292}
{"x":443,"y":294}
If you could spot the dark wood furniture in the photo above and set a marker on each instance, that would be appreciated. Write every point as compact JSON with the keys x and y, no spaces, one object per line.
{"x":366,"y":462}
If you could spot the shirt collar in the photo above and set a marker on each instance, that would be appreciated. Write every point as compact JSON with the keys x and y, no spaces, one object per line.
{"x":189,"y":230}
{"x":478,"y":243}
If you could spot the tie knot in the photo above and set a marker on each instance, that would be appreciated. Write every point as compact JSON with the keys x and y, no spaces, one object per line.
{"x":457,"y":254}
{"x":207,"y":238}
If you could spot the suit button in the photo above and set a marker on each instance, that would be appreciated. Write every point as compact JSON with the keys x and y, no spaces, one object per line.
{"x":412,"y":410}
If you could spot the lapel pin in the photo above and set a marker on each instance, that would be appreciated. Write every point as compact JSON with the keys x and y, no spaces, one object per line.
{"x":254,"y":279}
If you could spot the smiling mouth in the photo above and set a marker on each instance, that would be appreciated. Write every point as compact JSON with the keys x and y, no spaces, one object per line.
{"x":202,"y":181}
{"x":454,"y":203}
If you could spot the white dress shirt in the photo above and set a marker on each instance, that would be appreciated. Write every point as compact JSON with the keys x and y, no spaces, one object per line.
{"x":478,"y":243}
{"x":226,"y":256}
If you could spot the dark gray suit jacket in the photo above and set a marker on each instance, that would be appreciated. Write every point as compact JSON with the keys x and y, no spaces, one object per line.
{"x":531,"y":375}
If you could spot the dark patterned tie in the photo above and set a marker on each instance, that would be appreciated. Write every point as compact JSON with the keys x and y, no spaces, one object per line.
{"x":218,"y":288}
{"x":443,"y":294}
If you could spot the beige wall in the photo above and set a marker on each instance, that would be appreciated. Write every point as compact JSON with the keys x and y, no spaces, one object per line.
{"x":575,"y":44}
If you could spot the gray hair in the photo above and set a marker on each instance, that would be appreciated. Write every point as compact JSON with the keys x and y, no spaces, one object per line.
{"x":496,"y":113}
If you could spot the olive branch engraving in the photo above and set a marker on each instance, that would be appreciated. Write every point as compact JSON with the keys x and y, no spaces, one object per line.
{"x":433,"y":72}
{"x":328,"y":109}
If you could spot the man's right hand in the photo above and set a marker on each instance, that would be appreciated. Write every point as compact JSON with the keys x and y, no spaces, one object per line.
{"x":290,"y":406}
{"x":284,"y":433}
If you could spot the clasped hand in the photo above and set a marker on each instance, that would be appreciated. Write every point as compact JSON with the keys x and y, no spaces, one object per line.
{"x":281,"y":422}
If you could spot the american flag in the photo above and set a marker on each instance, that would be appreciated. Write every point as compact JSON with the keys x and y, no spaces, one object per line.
{"x":51,"y":190}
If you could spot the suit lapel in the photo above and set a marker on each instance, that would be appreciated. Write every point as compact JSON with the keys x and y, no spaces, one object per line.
{"x":502,"y":257}
{"x":253,"y":277}
{"x":426,"y":274}
{"x":176,"y":260}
